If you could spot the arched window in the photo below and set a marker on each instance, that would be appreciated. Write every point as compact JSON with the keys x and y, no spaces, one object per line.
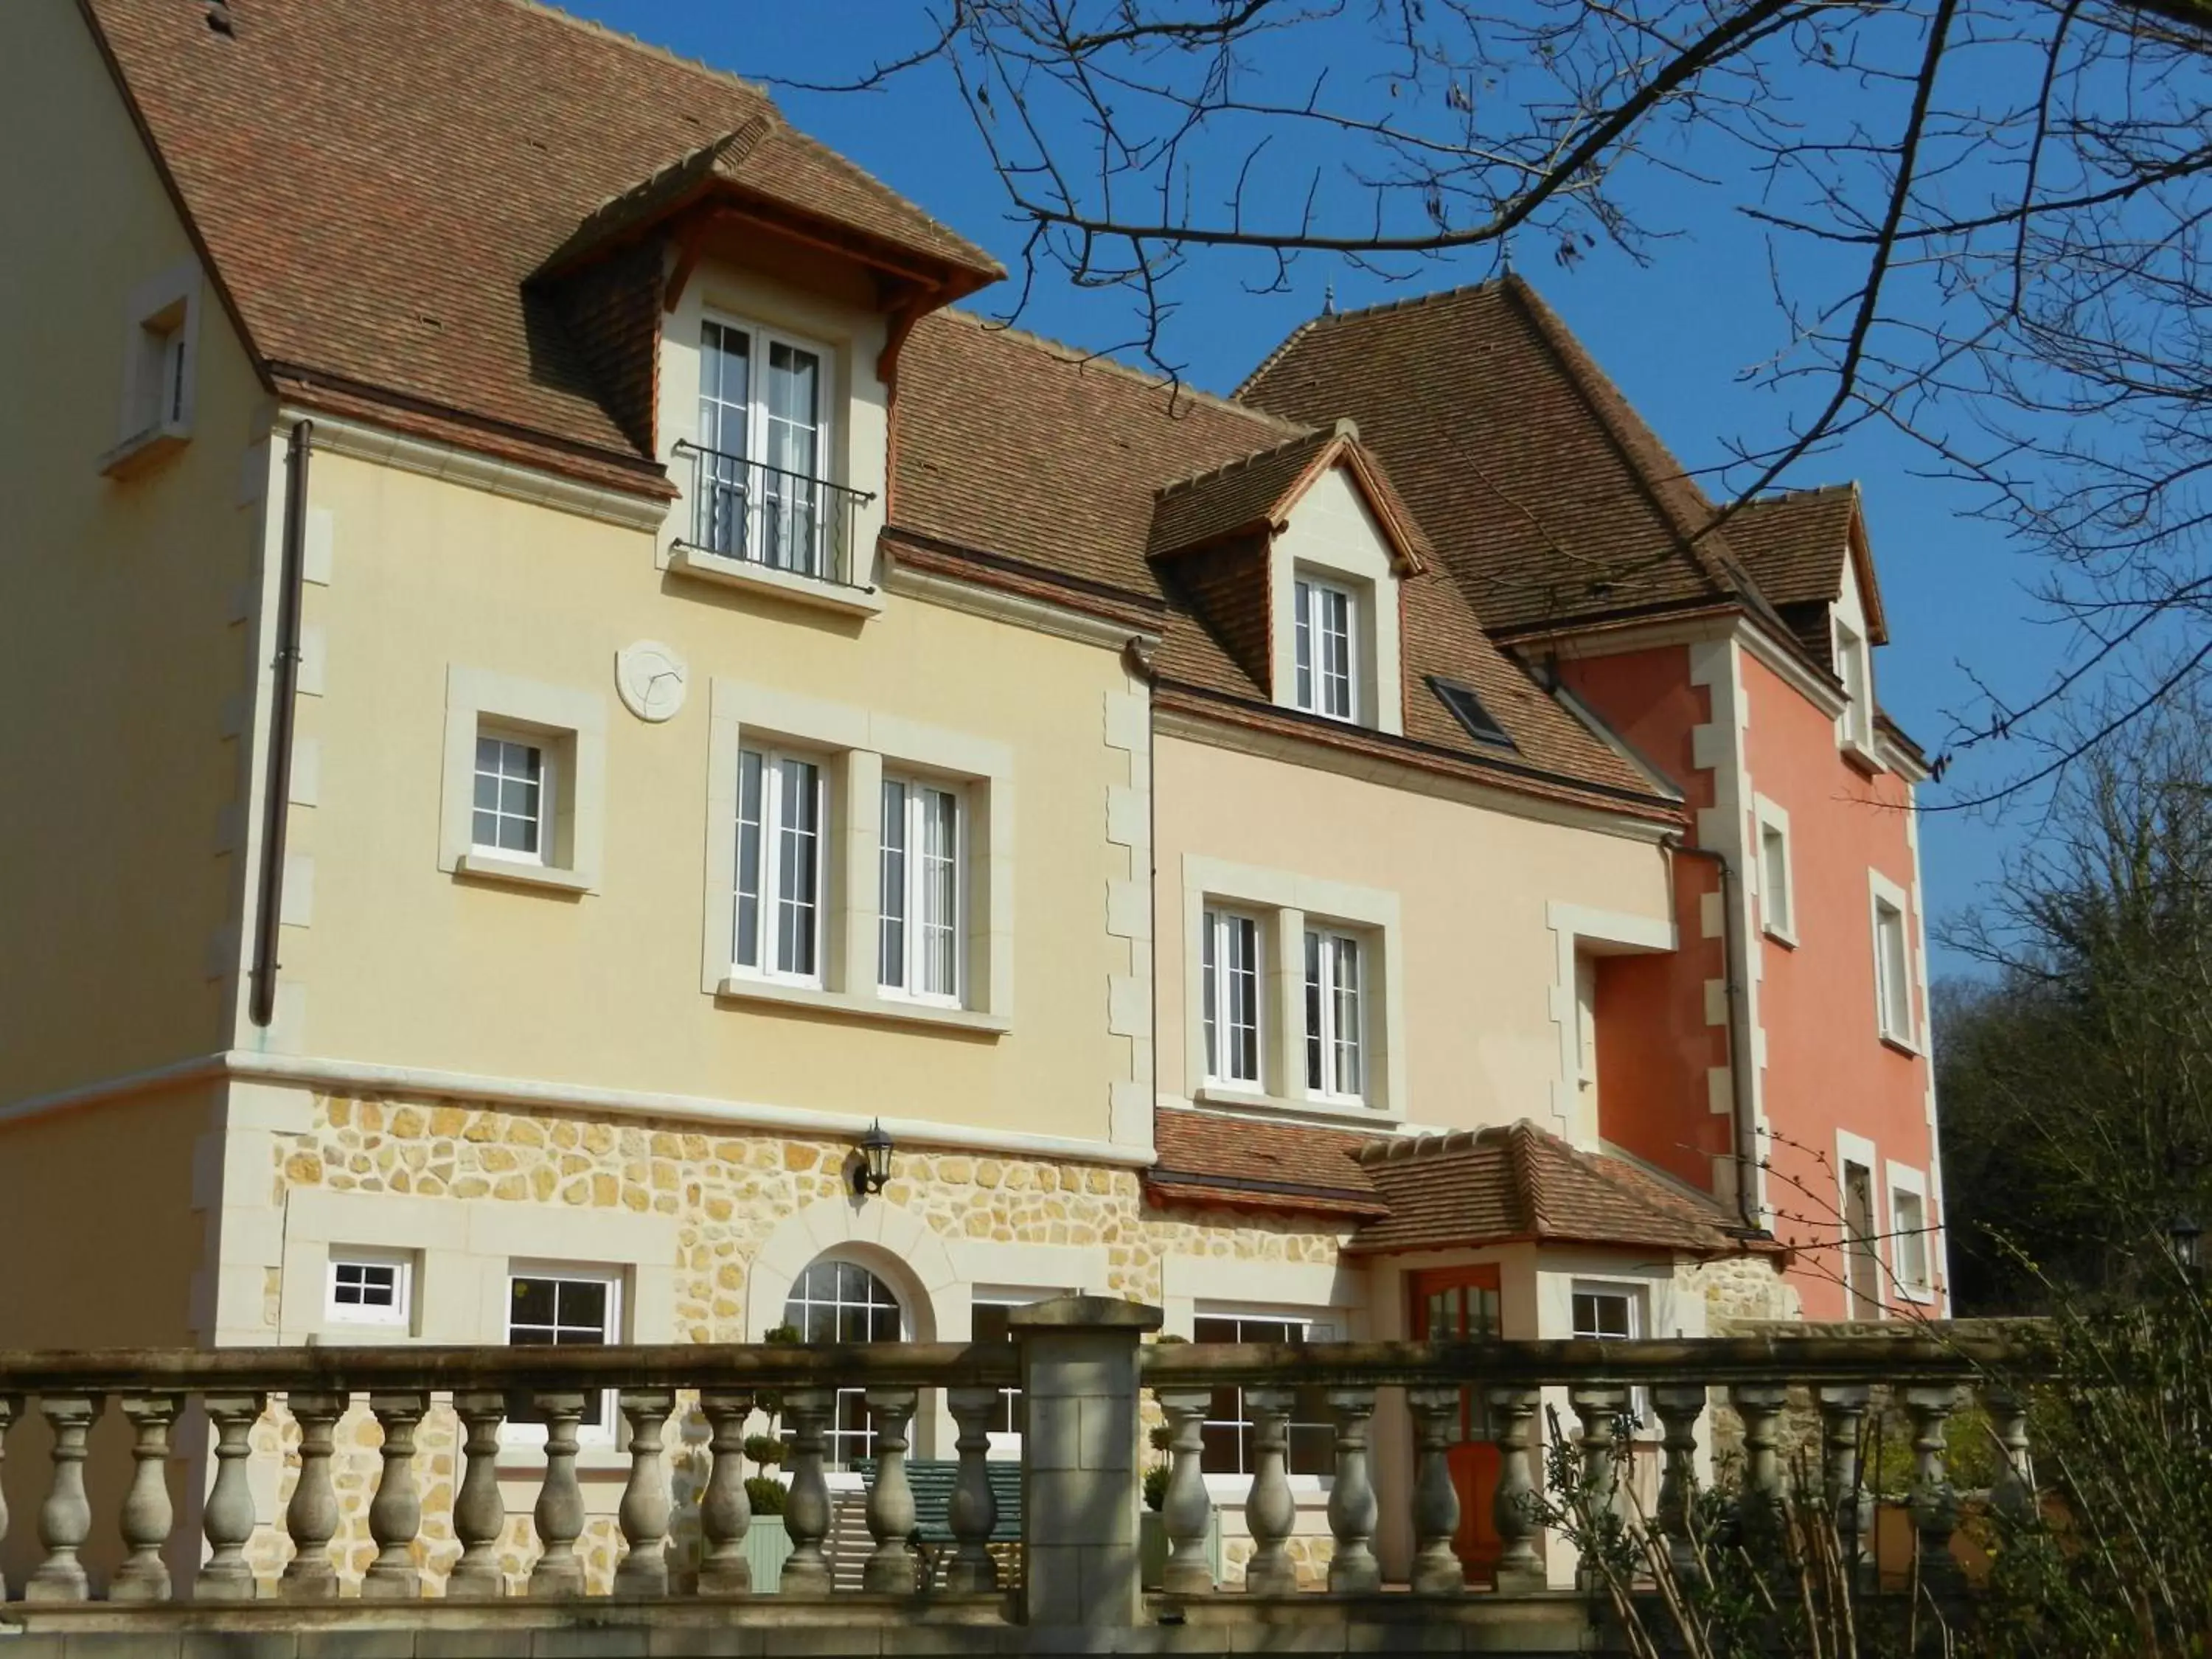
{"x":836,"y":1301}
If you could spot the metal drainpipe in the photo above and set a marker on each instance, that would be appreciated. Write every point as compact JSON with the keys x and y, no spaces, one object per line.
{"x":1744,"y":1132}
{"x":262,"y":1006}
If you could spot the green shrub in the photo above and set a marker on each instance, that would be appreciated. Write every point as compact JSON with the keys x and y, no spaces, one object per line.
{"x":765,"y":1495}
{"x":1156,"y":1486}
{"x":766,"y":1449}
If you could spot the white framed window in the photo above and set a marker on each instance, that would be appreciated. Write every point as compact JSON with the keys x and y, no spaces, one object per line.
{"x":1226,"y":1443}
{"x":553,"y":1304}
{"x":1336,"y":1018}
{"x":1229,"y":969}
{"x":1893,"y":964}
{"x":783,"y":807}
{"x":1856,"y":670}
{"x":1611,"y":1312}
{"x":1777,"y":895}
{"x":160,"y":371}
{"x":922,"y":891}
{"x":511,"y":814}
{"x":764,"y":434}
{"x":1326,"y":619}
{"x":369,"y":1287}
{"x":833,"y":1300}
{"x":1912,"y":1252}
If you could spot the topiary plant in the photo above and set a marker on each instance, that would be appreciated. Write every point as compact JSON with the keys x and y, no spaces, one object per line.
{"x":766,"y":1449}
{"x":1156,"y":1486}
{"x":765,"y":1495}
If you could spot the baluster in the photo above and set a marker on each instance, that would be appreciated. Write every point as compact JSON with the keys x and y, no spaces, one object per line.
{"x":65,"y":1518}
{"x":559,"y":1515}
{"x":1843,"y":1408}
{"x":1436,"y":1570}
{"x":1352,"y":1568}
{"x":1679,"y":1405}
{"x":725,"y":1514}
{"x":147,"y":1513}
{"x":1934,"y":1506}
{"x":479,"y":1512}
{"x":1519,"y":1566}
{"x":1759,"y":1405}
{"x":806,"y":1507}
{"x":890,"y":1568}
{"x":1185,"y":1509}
{"x":11,"y":1406}
{"x":2013,"y":1495}
{"x":1599,"y":1407}
{"x":1270,"y":1511}
{"x":974,"y":1511}
{"x":229,"y":1517}
{"x":645,"y":1505}
{"x":395,"y":1514}
{"x":312,"y":1516}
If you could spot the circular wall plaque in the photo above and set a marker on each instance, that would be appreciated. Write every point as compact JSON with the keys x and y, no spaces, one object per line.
{"x":650,"y":677}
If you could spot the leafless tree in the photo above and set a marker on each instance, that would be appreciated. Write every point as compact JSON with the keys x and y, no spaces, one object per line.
{"x":1985,"y":218}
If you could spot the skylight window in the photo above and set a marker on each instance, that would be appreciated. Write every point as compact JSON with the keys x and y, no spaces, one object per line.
{"x":1466,"y":709}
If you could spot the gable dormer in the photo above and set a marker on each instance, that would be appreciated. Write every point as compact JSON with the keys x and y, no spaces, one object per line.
{"x":1293,"y":557}
{"x":743,"y":309}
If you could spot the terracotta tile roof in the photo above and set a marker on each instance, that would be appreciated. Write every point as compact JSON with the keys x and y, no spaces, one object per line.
{"x":1022,"y":450}
{"x":1518,"y":1182}
{"x":1796,"y":545}
{"x":1259,"y":491}
{"x":1210,"y":1160}
{"x":1545,"y":492}
{"x":375,"y":180}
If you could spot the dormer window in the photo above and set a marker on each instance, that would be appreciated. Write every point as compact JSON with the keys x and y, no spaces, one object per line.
{"x":1854,"y":669}
{"x":1327,"y":619}
{"x":763,"y":438}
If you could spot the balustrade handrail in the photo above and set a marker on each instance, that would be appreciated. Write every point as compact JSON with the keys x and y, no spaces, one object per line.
{"x":708,"y":1366}
{"x":858,"y":497}
{"x":1922,"y":1354}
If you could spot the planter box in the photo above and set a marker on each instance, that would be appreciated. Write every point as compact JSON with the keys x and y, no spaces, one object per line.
{"x":767,"y":1546}
{"x":1152,"y":1546}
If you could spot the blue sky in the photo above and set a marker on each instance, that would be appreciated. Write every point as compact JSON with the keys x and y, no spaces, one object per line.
{"x":1677,"y":333}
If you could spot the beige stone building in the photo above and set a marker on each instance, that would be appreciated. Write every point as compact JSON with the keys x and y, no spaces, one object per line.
{"x":565,"y":706}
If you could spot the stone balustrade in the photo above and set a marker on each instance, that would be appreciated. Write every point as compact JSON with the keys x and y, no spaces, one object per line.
{"x":1084,"y":1370}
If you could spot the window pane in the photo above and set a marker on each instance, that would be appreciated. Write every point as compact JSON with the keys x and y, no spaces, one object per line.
{"x":791,"y":498}
{"x":1336,"y":652}
{"x":1345,"y":1025}
{"x":1775,"y":875}
{"x":937,"y":877}
{"x":891,"y":921}
{"x":1315,"y":1011}
{"x":799,"y":836}
{"x":1302,"y":612}
{"x":749,"y":858}
{"x":1209,"y":995}
{"x":1239,"y":991}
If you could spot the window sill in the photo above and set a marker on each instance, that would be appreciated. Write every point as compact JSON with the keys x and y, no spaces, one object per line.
{"x":1902,"y":1045}
{"x":1781,"y":936}
{"x":784,"y":584}
{"x":144,"y":451}
{"x":739,"y":987}
{"x":1922,"y":1294}
{"x":1859,"y":755}
{"x":1330,"y":1111}
{"x":490,"y":866}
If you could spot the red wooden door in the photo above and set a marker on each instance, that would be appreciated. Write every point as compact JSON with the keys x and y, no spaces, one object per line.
{"x":1451,"y":1302}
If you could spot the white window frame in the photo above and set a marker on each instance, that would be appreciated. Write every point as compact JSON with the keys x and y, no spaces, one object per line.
{"x":1902,"y":1181}
{"x":768,"y":895}
{"x":1218,"y":923}
{"x":761,"y":339}
{"x":1886,"y":897}
{"x":608,"y":1432}
{"x":549,"y":776}
{"x":1855,"y":669}
{"x":1331,"y":1038}
{"x":1778,"y":920}
{"x":400,"y":1315}
{"x":1637,"y":1295}
{"x":160,"y":371}
{"x":914,"y":955}
{"x":1315,"y":1328}
{"x":1307,"y":589}
{"x":570,"y":728}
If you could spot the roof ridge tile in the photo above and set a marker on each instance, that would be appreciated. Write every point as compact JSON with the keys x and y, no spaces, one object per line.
{"x":646,"y":48}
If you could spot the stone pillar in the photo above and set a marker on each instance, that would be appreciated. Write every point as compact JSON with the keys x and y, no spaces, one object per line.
{"x":312,"y":1516}
{"x":974,"y":1511}
{"x":65,"y":1518}
{"x":227,"y":1518}
{"x":1352,"y":1508}
{"x":11,"y":1408}
{"x":1843,"y":1408}
{"x":148,"y":1513}
{"x":1437,"y":1569}
{"x":1513,"y":1418}
{"x":1186,"y":1509}
{"x":1679,"y":1404}
{"x":725,"y":1514}
{"x":1080,"y":1487}
{"x":645,"y":1504}
{"x":395,"y":1514}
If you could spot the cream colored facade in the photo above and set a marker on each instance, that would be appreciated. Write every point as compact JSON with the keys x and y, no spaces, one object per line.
{"x":488,"y":1070}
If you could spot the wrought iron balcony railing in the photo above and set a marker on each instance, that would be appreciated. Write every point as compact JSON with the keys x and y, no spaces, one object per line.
{"x":748,"y":511}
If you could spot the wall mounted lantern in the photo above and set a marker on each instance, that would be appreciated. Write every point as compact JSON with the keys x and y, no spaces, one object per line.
{"x":874,"y":1168}
{"x":2188,"y":1239}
